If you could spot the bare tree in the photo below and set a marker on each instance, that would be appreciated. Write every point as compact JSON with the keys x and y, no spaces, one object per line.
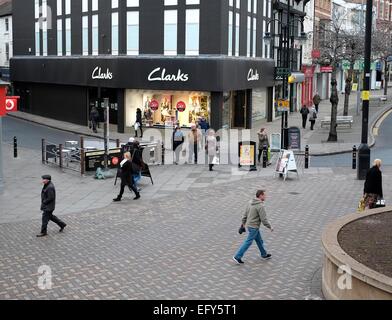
{"x":337,"y":43}
{"x":381,"y":47}
{"x":331,"y":53}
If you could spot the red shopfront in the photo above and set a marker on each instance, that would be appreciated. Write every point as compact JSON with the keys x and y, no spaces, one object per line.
{"x":307,"y":86}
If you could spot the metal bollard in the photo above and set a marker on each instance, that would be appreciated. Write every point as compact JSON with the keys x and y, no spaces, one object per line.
{"x":354,"y":157}
{"x":82,"y":162}
{"x":307,"y":157}
{"x":163,"y":154}
{"x":43,"y":149}
{"x":15,"y":147}
{"x":61,"y":155}
{"x":265,"y":156}
{"x":117,"y":143}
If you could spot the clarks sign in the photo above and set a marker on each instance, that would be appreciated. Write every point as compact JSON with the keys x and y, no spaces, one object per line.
{"x":159,"y":74}
{"x":253,"y":75}
{"x":99,"y":75}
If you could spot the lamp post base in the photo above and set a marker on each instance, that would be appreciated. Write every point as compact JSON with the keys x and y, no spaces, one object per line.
{"x":285,"y":138}
{"x":363,"y":161}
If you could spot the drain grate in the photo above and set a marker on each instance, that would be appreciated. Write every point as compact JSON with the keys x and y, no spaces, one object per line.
{"x":294,"y":193}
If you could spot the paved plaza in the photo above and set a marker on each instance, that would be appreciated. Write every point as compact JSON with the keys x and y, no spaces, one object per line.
{"x":180,"y":245}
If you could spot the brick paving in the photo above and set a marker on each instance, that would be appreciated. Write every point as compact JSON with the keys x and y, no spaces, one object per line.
{"x":180,"y":246}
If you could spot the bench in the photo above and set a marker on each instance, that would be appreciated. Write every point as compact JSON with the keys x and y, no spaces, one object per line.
{"x":375,"y":101}
{"x":340,"y":121}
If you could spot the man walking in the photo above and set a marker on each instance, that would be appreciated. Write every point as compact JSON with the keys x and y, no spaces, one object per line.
{"x":253,"y":217}
{"x":48,"y":205}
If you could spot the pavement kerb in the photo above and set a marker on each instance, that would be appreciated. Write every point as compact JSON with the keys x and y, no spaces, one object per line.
{"x":371,"y":136}
{"x":13,"y":115}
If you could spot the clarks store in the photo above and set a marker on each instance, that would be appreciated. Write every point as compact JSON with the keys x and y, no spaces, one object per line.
{"x":224,"y":90}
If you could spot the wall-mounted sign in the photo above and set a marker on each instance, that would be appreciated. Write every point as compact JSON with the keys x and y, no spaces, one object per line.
{"x":283,"y":105}
{"x":154,"y":105}
{"x":253,"y":75}
{"x":181,"y":106}
{"x":98,"y":74}
{"x":327,"y":69}
{"x":159,"y":74}
{"x":11,"y":104}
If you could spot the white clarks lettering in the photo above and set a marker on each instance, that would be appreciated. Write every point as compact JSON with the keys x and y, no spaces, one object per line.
{"x":253,"y":75}
{"x":158,"y":75}
{"x":98,"y":74}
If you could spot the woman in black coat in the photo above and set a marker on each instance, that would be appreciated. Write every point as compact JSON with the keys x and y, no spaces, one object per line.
{"x":373,"y":185}
{"x":127,"y":177}
{"x":139,"y":122}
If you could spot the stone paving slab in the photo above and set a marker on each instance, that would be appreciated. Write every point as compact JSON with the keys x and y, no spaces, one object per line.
{"x":180,"y":246}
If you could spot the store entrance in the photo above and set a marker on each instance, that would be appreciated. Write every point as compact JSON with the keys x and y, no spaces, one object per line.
{"x":239,"y":109}
{"x":96,"y":98}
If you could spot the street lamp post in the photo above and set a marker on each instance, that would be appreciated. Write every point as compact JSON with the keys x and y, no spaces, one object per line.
{"x":364,"y":150}
{"x":285,"y":36}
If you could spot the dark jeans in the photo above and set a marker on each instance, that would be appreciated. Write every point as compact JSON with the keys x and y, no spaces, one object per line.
{"x":131,"y":186}
{"x":312,"y":122}
{"x":48,"y":216}
{"x":304,"y":118}
{"x":316,"y":106}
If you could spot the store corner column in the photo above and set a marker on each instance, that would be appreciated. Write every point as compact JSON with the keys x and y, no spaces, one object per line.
{"x":121,"y":110}
{"x":216,"y":116}
{"x":249,"y":109}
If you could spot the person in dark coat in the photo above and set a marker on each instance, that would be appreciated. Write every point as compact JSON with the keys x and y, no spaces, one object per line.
{"x":373,"y":185}
{"x":137,"y":163}
{"x":127,"y":177}
{"x":304,"y":112}
{"x":316,"y":101}
{"x":48,"y":205}
{"x":138,"y":123}
{"x":94,"y":118}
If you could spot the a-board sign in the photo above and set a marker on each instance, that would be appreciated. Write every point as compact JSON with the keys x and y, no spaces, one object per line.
{"x":247,"y":155}
{"x":294,"y":138}
{"x":286,"y":163}
{"x":276,"y":142}
{"x":96,"y":159}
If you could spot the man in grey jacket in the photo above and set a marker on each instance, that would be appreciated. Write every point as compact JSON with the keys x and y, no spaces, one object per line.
{"x":253,"y":217}
{"x":48,"y":204}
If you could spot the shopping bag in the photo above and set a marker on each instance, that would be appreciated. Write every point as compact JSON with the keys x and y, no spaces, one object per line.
{"x":361,"y":204}
{"x":215,"y":160}
{"x":380,"y":203}
{"x":137,"y":125}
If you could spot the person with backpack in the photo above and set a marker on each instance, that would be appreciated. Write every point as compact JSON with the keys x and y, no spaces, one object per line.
{"x":304,"y":112}
{"x":312,"y":117}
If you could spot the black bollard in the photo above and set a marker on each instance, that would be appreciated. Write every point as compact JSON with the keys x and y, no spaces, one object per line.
{"x":265,"y":156}
{"x":15,"y":147}
{"x":163,"y":153}
{"x":307,"y":157}
{"x":354,"y":157}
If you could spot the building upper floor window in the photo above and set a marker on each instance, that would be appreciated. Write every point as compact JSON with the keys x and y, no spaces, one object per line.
{"x":85,"y":5}
{"x":133,"y":33}
{"x":171,"y":2}
{"x":94,"y":5}
{"x":132,"y":3}
{"x":59,"y":7}
{"x":192,"y":2}
{"x":170,"y":32}
{"x":7,"y":25}
{"x":114,"y":4}
{"x":192,"y":32}
{"x":67,"y":7}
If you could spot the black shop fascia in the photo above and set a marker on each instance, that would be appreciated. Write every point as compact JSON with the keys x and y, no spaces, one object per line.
{"x":168,"y":90}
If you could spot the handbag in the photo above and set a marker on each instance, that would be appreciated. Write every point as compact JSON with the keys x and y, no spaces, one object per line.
{"x":361,"y":204}
{"x":215,"y":160}
{"x":241,"y":230}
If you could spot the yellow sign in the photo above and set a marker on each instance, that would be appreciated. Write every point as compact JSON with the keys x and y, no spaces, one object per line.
{"x":283,"y":105}
{"x":291,"y":79}
{"x":247,"y":155}
{"x":365,"y":95}
{"x":355,"y":87}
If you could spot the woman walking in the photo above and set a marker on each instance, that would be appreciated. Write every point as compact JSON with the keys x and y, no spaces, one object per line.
{"x":263,"y":141}
{"x":373,"y":185}
{"x":127,"y":177}
{"x":212,"y":148}
{"x":312,"y":117}
{"x":178,"y":140}
{"x":304,"y":112}
{"x":138,"y":123}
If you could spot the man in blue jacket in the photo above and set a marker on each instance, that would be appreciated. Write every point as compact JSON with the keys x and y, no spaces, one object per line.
{"x":48,"y":204}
